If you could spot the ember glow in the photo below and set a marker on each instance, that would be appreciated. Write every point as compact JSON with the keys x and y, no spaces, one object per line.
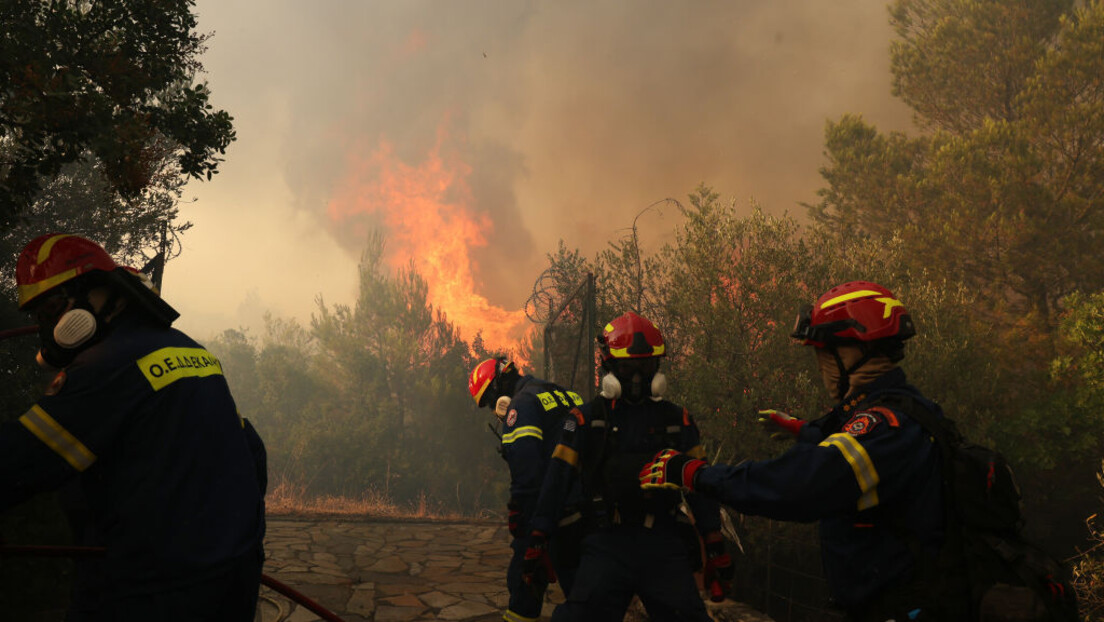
{"x":427,"y":213}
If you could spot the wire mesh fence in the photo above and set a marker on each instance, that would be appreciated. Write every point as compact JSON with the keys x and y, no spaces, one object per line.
{"x":780,"y":572}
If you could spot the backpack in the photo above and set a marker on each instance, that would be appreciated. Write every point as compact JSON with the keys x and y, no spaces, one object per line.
{"x":1009,"y":578}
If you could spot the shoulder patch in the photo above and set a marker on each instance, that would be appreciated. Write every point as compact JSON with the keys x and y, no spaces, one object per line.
{"x":886,"y":414}
{"x":578,"y":414}
{"x":569,"y":424}
{"x":862,"y":423}
{"x":56,"y":384}
{"x":511,"y":417}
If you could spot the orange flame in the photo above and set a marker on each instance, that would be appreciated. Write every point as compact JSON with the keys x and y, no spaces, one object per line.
{"x":426,"y":212}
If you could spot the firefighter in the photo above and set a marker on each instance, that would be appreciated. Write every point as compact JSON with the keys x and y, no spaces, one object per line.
{"x":531,"y":412}
{"x":870,"y":474}
{"x":637,"y":542}
{"x":141,"y":417}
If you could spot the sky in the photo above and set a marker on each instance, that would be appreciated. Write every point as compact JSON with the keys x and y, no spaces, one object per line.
{"x":475,"y":135}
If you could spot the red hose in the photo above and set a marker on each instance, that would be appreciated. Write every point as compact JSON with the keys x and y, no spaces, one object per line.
{"x":32,"y":550}
{"x":300,"y":598}
{"x":16,"y":332}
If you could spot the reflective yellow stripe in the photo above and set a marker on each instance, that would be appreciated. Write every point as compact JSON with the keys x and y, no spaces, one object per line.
{"x":623,"y":353}
{"x":479,"y":394}
{"x":510,"y":616}
{"x":167,"y":365}
{"x":853,"y":295}
{"x":697,"y":451}
{"x":523,"y":431}
{"x":889,"y":304}
{"x":57,"y":438}
{"x":48,"y":245}
{"x":865,"y":473}
{"x":575,"y":398}
{"x":30,"y":290}
{"x":567,"y":454}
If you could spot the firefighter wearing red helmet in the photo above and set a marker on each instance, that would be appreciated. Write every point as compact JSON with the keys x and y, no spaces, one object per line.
{"x":866,"y":470}
{"x":530,"y":412}
{"x":636,"y":542}
{"x":141,"y":417}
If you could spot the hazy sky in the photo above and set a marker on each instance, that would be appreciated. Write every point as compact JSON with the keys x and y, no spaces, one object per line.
{"x":477,"y":134}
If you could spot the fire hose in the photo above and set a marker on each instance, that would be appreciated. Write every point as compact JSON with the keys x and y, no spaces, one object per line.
{"x":16,"y":332}
{"x":37,"y":550}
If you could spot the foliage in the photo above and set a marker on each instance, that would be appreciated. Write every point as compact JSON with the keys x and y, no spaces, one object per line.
{"x":1088,"y":573}
{"x":370,"y":400}
{"x":1003,"y":194}
{"x":943,"y":63}
{"x":111,"y":79}
{"x":731,"y":288}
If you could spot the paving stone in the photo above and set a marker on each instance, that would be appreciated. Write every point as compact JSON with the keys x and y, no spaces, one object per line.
{"x":362,"y":602}
{"x":302,"y":614}
{"x":405,"y":571}
{"x":389,"y":564}
{"x":465,"y":610}
{"x":397,"y":614}
{"x":437,"y":600}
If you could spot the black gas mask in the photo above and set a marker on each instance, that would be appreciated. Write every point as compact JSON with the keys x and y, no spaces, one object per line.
{"x":633,"y":379}
{"x":68,"y":324}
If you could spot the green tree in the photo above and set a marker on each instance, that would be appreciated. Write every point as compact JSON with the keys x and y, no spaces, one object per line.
{"x":944,"y":61}
{"x":397,"y":367}
{"x":1004,"y":194}
{"x":112,"y":80}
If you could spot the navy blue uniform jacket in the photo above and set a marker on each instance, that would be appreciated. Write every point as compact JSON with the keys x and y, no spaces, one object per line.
{"x":532,"y":423}
{"x":627,"y":436}
{"x":867,"y":472}
{"x":146,"y":420}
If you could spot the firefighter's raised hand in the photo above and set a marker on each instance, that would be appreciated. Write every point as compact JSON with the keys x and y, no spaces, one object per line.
{"x":779,"y":424}
{"x":718,"y":572}
{"x":670,"y":469}
{"x":537,"y":566}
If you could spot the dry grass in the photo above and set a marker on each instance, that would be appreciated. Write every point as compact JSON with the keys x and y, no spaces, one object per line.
{"x":291,"y":498}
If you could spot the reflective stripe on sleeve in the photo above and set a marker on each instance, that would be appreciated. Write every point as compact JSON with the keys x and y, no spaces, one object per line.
{"x":522,"y":432}
{"x":567,"y":454}
{"x":865,"y":473}
{"x":510,"y":616}
{"x":57,"y":438}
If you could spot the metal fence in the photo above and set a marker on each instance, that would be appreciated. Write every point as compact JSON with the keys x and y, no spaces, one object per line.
{"x":780,"y":571}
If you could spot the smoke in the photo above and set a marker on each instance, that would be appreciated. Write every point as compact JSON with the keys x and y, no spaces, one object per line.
{"x":569,"y":118}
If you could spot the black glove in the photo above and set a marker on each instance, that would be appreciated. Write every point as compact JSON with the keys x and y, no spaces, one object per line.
{"x":670,"y":469}
{"x":537,"y":567}
{"x":513,"y":518}
{"x":718,"y":572}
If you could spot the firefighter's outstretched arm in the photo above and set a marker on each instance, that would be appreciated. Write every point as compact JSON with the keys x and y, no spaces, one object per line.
{"x":804,"y":484}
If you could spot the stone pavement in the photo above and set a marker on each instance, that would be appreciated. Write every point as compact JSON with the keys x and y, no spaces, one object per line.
{"x":400,"y":570}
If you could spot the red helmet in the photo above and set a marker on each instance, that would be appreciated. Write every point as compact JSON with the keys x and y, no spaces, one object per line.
{"x":484,"y":375}
{"x":630,"y":337}
{"x":51,"y":260}
{"x":855,"y":311}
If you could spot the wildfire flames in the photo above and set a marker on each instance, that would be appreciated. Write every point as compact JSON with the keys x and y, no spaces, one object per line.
{"x":426,"y":211}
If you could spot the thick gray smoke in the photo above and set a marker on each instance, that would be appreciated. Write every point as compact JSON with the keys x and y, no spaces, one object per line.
{"x":573,"y":116}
